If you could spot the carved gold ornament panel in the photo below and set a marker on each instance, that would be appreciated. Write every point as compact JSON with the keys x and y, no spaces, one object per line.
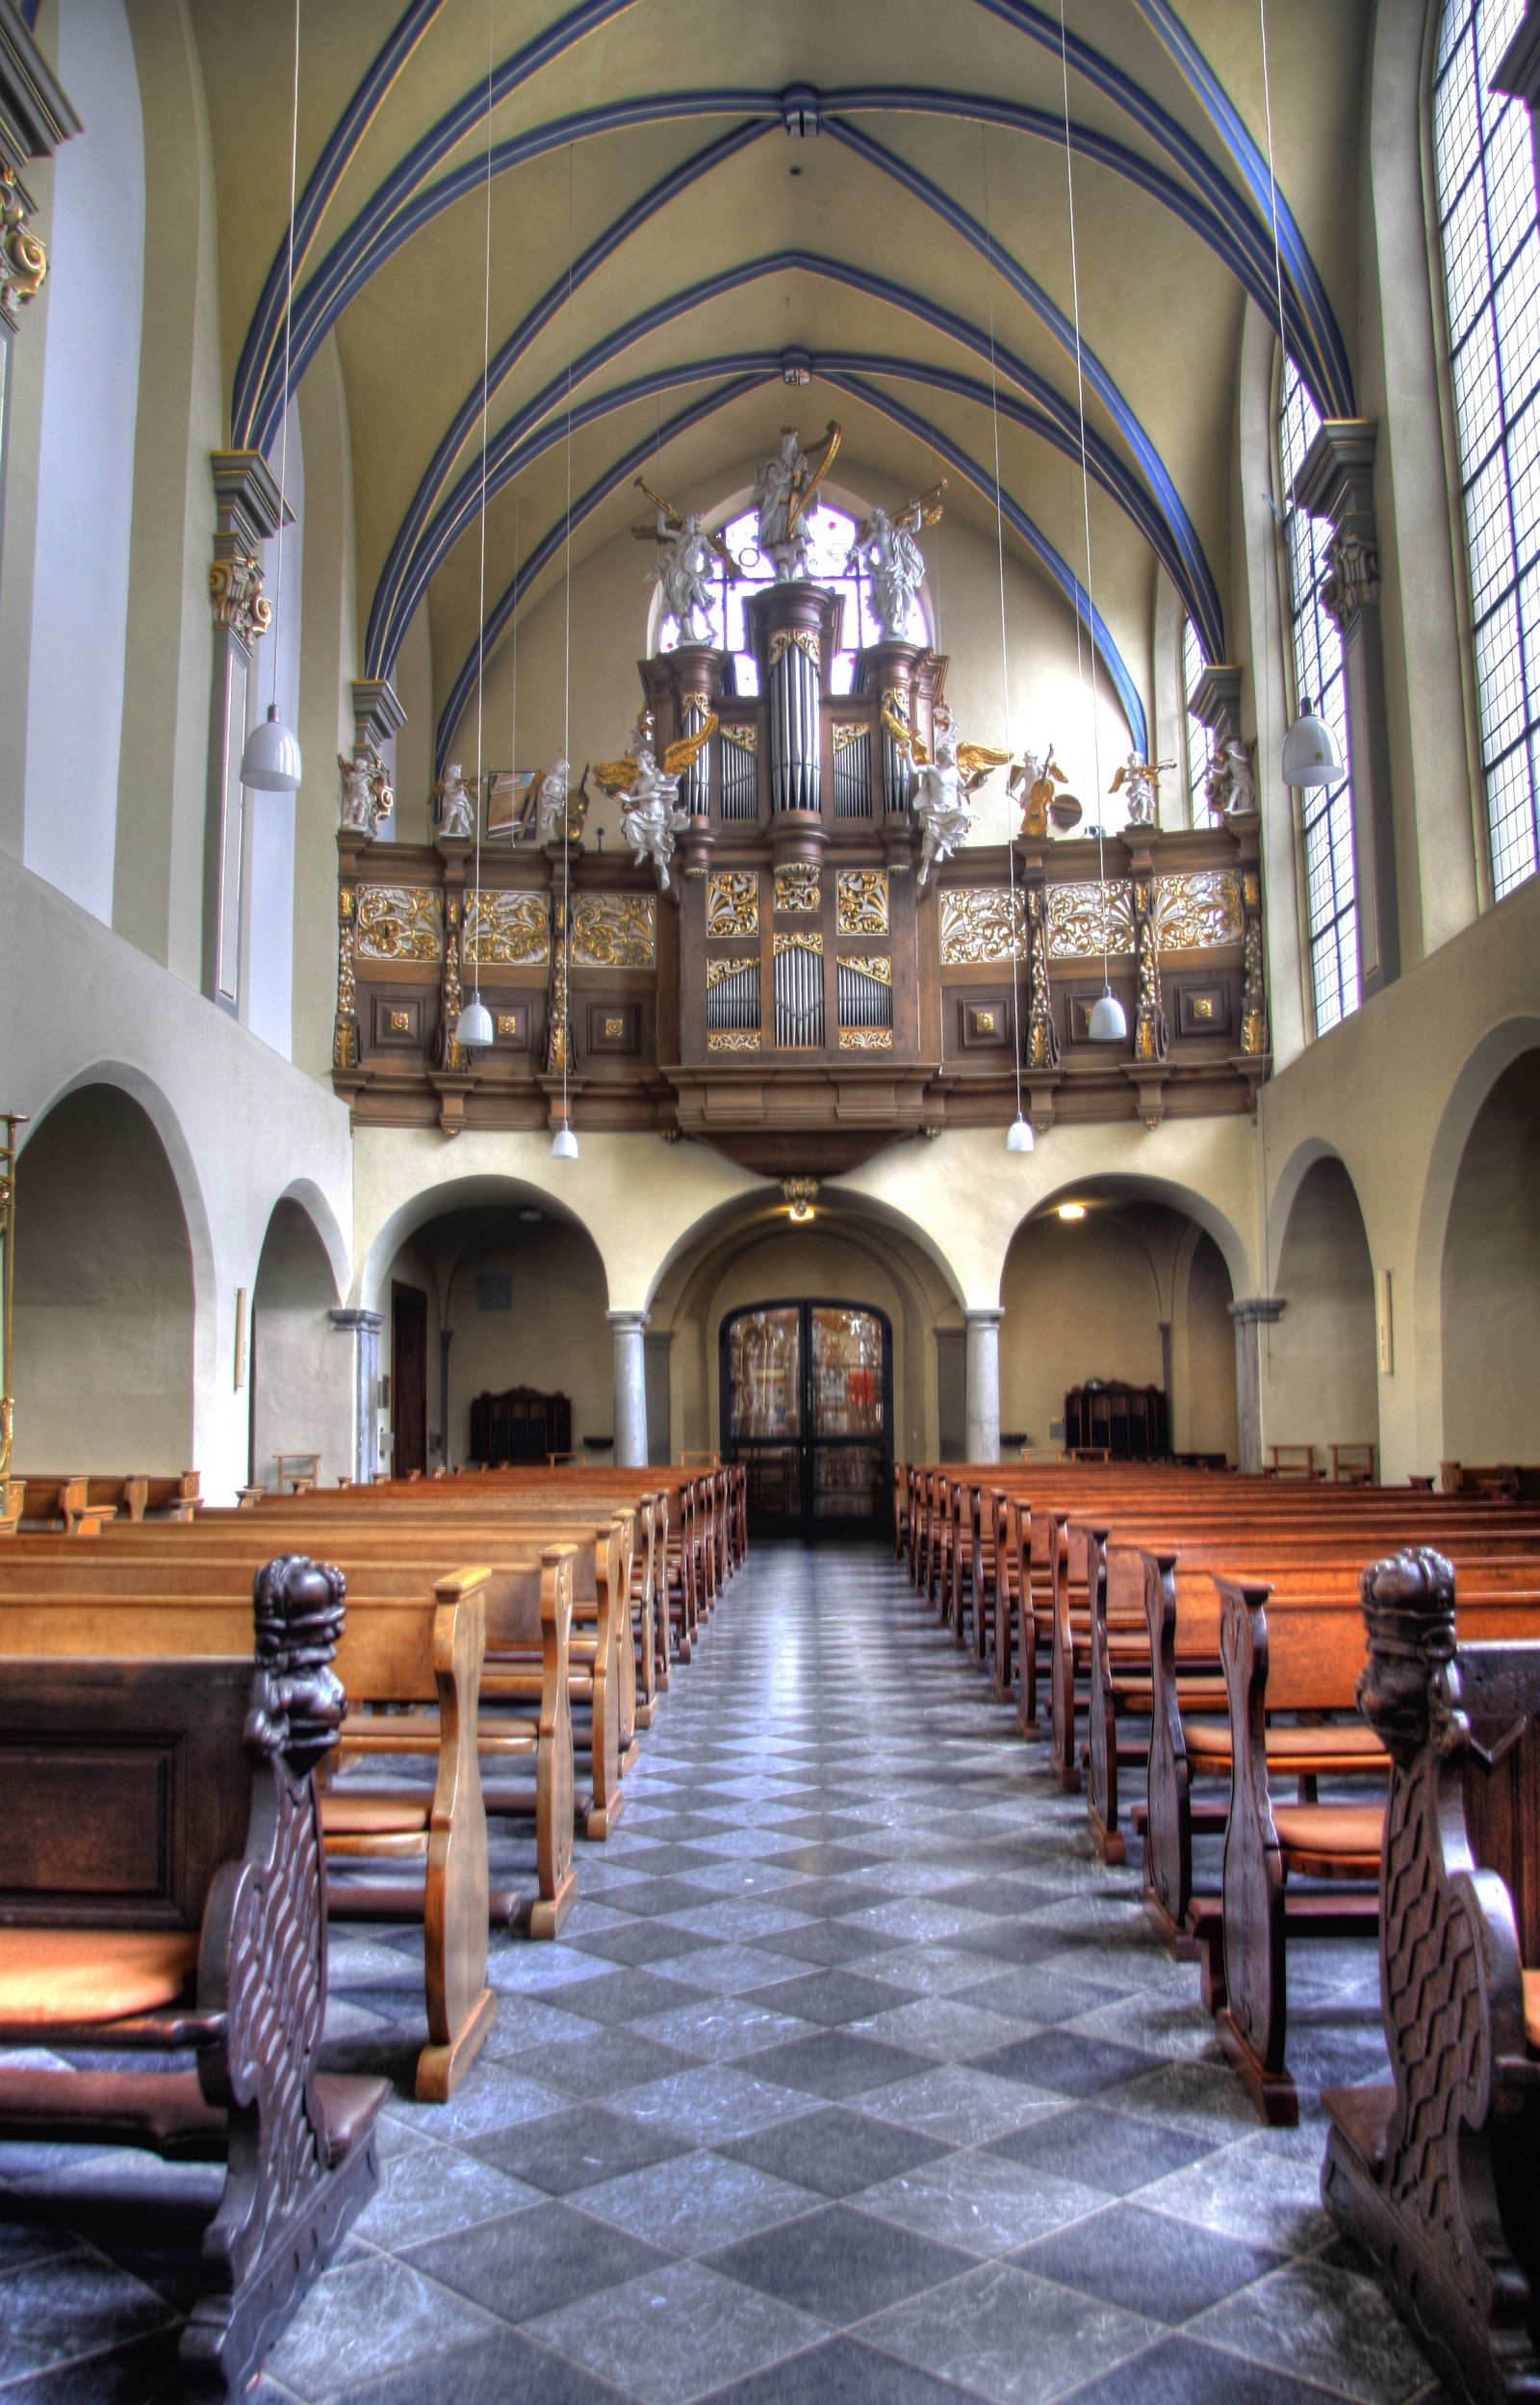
{"x":399,"y":922}
{"x":733,"y":902}
{"x":1089,"y":918}
{"x":729,"y":966}
{"x":808,"y":941}
{"x":614,"y":931}
{"x":1194,"y":912}
{"x":797,"y":889}
{"x":732,"y":1040}
{"x":866,"y":1039}
{"x":805,"y":639}
{"x":982,"y":924}
{"x":510,"y":929}
{"x":863,"y":901}
{"x":877,"y":965}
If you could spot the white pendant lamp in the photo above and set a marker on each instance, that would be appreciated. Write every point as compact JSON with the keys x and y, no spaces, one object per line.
{"x":474,"y":1026}
{"x":1107,"y":1022}
{"x":564,"y":1143}
{"x":1310,"y":754}
{"x":1019,"y":1136}
{"x":270,"y":761}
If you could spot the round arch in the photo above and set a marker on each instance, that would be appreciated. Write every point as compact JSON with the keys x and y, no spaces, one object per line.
{"x":1321,"y":1356}
{"x":1489,"y":1275}
{"x":1118,"y":1185}
{"x":296,"y":1399}
{"x":488,"y":1192}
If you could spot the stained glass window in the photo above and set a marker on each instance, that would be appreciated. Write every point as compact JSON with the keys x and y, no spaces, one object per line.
{"x":832,"y":532}
{"x":1331,"y":906}
{"x":1484,"y":175}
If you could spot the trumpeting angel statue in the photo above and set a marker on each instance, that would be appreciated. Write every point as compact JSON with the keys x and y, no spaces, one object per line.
{"x":652,"y":817}
{"x":688,"y":559}
{"x":947,"y":780}
{"x":885,"y":542}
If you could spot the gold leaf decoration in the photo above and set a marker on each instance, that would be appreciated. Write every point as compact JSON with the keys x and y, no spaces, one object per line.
{"x":733,"y":902}
{"x":1199,"y":910}
{"x":808,"y":939}
{"x":732,"y":1040}
{"x":1086,"y":918}
{"x":399,"y":922}
{"x":866,"y":1039}
{"x":982,"y":924}
{"x":797,"y":889}
{"x":511,"y":929}
{"x":614,"y":931}
{"x":877,"y":965}
{"x":729,"y":966}
{"x":863,"y":901}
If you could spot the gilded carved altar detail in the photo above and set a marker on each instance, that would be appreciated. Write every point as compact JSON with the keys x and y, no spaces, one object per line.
{"x":512,"y":930}
{"x":23,"y":260}
{"x":559,"y":1041}
{"x":344,"y":1028}
{"x":1197,"y":911}
{"x":805,"y":639}
{"x":240,"y":607}
{"x":732,"y":1040}
{"x":804,"y":940}
{"x":866,"y":1039}
{"x":982,"y":924}
{"x":1088,"y":917}
{"x":729,"y":966}
{"x":861,"y":901}
{"x":877,"y":965}
{"x":733,"y":902}
{"x":1042,"y":1034}
{"x":615,"y":931}
{"x":798,"y":888}
{"x":452,"y":1054}
{"x":399,"y":922}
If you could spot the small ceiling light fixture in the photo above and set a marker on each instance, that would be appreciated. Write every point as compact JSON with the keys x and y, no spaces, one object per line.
{"x":800,"y":1193}
{"x":1071,"y":1210}
{"x":1310,"y":754}
{"x":1019,"y":1136}
{"x":564,"y":1144}
{"x":270,"y":761}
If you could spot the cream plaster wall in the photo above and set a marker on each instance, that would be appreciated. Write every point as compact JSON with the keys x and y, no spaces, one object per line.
{"x":300,"y":1397}
{"x":1320,"y":1361}
{"x":1491,"y":1281}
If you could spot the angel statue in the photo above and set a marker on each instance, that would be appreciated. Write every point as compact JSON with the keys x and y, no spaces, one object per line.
{"x":366,"y":795}
{"x":947,"y":781}
{"x":652,"y":817}
{"x":782,"y":494}
{"x":1139,"y":780}
{"x":453,"y":805}
{"x":686,"y":564}
{"x":551,"y":801}
{"x":1030,"y":785}
{"x":888,"y":546}
{"x":1230,"y":791}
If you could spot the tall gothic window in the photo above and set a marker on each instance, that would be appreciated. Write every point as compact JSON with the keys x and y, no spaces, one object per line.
{"x":1200,"y":738}
{"x":1331,"y":904}
{"x":1485,"y":172}
{"x":831,"y":532}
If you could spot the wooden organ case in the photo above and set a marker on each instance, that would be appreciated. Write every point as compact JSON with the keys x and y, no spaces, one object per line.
{"x":794,"y":996}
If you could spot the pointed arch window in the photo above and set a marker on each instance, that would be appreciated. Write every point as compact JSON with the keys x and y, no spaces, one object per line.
{"x":1330,"y":891}
{"x":1483,"y":169}
{"x":1199,"y":737}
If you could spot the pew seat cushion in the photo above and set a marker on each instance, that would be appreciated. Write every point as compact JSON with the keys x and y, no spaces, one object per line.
{"x":63,"y":1975}
{"x":1327,"y":1840}
{"x":1292,"y":1749}
{"x":1532,"y":2010}
{"x":342,"y":1815}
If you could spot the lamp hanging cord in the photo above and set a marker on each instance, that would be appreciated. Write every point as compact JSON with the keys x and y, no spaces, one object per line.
{"x":1085,"y":503}
{"x":1004,"y":656}
{"x":481,"y":612}
{"x":288,"y":319}
{"x":566,"y":668}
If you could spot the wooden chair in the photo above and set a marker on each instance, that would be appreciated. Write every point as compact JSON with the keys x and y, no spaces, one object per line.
{"x":1354,"y":1465}
{"x":1432,"y":2177}
{"x":187,"y":1910}
{"x":1294,"y":1462}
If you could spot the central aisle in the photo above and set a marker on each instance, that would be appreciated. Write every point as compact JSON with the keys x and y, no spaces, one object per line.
{"x":856,"y":2080}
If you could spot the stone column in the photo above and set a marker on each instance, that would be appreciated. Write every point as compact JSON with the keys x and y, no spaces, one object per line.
{"x":248,"y":508}
{"x":1518,"y":71}
{"x":982,"y":1385}
{"x":1248,"y":1316}
{"x":364,"y":1327}
{"x":1337,"y":482}
{"x":630,"y":1388}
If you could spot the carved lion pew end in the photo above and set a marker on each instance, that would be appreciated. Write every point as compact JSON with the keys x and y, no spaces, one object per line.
{"x":1433,"y":2177}
{"x":165,"y":1891}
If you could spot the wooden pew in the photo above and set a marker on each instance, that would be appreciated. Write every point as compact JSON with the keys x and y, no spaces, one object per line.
{"x":422,"y":1643}
{"x":1433,"y":2177}
{"x":83,"y":1502}
{"x":60,"y":1502}
{"x":163,"y":1891}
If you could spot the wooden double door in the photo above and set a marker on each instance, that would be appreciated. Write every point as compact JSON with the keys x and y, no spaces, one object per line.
{"x":808,"y":1408}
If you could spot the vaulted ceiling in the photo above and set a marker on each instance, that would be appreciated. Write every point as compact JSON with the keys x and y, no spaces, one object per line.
{"x":688,"y":196}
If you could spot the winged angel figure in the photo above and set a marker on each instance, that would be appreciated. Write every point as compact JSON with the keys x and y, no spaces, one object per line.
{"x":687,"y":556}
{"x":947,"y":781}
{"x":652,"y":817}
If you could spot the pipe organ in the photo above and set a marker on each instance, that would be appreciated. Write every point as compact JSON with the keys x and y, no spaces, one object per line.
{"x":792,"y":998}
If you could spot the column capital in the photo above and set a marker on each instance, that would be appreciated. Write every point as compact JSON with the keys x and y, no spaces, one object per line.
{"x":378,"y":712}
{"x":984,"y":1315}
{"x":1256,"y":1308}
{"x":247,"y":508}
{"x":345,"y":1321}
{"x":35,"y":112}
{"x":1517,"y":70}
{"x":637,"y":1320}
{"x":1215,"y":699}
{"x":1336,"y":479}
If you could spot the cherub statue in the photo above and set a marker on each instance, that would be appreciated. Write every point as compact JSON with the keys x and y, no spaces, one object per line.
{"x":1139,"y":780}
{"x":1030,"y":785}
{"x":685,"y":564}
{"x":945,"y":784}
{"x":783,"y":492}
{"x":1230,"y":790}
{"x":551,"y":801}
{"x":454,"y":807}
{"x":888,"y":546}
{"x":366,"y":795}
{"x":652,"y":817}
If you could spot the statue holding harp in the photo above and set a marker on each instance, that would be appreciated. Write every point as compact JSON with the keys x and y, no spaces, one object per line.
{"x":783,"y":491}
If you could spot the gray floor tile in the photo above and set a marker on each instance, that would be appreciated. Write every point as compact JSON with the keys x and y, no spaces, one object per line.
{"x":962,"y":2103}
{"x":835,"y":2064}
{"x":496,"y":2370}
{"x":678,"y":2334}
{"x":576,"y":2149}
{"x":1103,"y":2149}
{"x":1012,"y":2339}
{"x":710,"y":2102}
{"x":370,"y":2317}
{"x":1126,"y":2256}
{"x":696,"y":2201}
{"x":836,"y":2150}
{"x":980,"y":2202}
{"x":835,"y":1997}
{"x":534,"y":2262}
{"x":840,"y":2263}
{"x":1330,"y":2326}
{"x":841,"y":2371}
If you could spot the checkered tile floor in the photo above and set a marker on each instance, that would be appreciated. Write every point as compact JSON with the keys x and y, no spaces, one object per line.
{"x":855,"y":2080}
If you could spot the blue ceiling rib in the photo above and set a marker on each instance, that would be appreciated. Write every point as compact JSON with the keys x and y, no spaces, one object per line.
{"x":262,"y":339}
{"x":412,"y":564}
{"x":450,"y":131}
{"x":1297,"y":265}
{"x":1327,"y":371}
{"x":749,"y":372}
{"x":1029,"y":290}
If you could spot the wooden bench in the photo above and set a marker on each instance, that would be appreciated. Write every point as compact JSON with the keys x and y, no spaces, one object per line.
{"x":59,"y":1502}
{"x":422,"y":1643}
{"x":164,"y":1891}
{"x":1433,"y":2177}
